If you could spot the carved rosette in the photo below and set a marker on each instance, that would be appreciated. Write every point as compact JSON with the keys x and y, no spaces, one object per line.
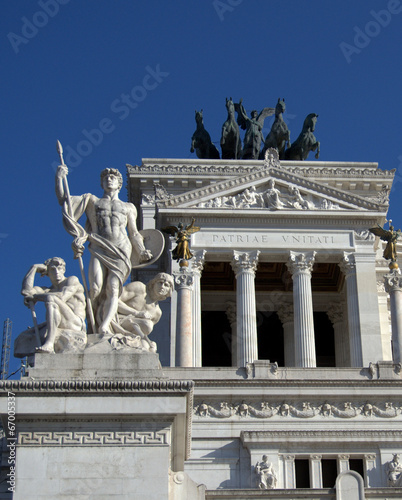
{"x":335,"y":312}
{"x":301,"y":263}
{"x":393,"y":282}
{"x":183,"y":280}
{"x":245,"y":262}
{"x":348,"y":264}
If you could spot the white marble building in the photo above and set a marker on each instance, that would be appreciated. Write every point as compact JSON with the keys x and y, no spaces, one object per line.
{"x":287,"y":353}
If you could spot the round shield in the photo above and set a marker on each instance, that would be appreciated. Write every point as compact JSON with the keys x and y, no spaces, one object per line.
{"x":154,"y":241}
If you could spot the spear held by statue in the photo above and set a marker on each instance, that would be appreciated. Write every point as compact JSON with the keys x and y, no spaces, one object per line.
{"x":80,"y":237}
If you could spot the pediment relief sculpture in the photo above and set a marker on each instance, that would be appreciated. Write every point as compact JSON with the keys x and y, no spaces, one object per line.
{"x":270,"y":197}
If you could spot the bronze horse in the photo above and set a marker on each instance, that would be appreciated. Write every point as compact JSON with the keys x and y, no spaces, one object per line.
{"x":306,"y":141}
{"x":201,"y":140}
{"x":230,"y":140}
{"x":279,"y":134}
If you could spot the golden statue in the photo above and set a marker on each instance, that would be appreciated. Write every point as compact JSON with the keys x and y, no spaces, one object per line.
{"x":391,"y":237}
{"x":182,"y":234}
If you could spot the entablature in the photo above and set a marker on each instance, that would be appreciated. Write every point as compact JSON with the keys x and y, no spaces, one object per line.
{"x":178,"y":176}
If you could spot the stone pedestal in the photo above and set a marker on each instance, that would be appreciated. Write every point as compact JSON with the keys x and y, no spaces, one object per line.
{"x":393,"y":286}
{"x":100,"y":437}
{"x":301,"y":266}
{"x":114,"y":365}
{"x":244,"y":265}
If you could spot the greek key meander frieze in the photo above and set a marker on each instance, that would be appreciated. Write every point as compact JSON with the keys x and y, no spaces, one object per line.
{"x":97,"y":385}
{"x":302,"y":410}
{"x":93,"y":438}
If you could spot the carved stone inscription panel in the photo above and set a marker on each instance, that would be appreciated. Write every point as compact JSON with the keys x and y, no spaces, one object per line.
{"x":281,"y":239}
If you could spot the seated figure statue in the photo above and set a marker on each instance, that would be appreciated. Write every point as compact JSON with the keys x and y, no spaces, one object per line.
{"x":266,"y":475}
{"x":138,"y":312}
{"x":64,"y":328}
{"x":394,"y":472}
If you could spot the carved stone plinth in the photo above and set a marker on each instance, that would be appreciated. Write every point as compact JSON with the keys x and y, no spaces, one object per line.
{"x":77,"y":437}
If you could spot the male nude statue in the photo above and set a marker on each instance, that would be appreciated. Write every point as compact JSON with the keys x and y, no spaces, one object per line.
{"x":112,"y":250}
{"x":139,"y":310}
{"x":64,"y":300}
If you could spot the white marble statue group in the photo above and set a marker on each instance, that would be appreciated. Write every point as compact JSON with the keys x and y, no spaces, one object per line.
{"x":124,"y":316}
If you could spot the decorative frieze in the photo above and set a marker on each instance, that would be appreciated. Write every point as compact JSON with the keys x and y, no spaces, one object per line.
{"x":305,"y":410}
{"x":93,"y":438}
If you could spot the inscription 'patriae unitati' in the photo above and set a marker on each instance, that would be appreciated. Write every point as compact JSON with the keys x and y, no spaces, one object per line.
{"x":265,"y":238}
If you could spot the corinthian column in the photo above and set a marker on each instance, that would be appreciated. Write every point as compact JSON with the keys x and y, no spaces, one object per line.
{"x":348,"y":266}
{"x":285,"y":314}
{"x":393,"y":286}
{"x":197,"y":265}
{"x":231,"y":314}
{"x":244,"y":265}
{"x":184,"y":349}
{"x":301,"y":265}
{"x":335,"y":314}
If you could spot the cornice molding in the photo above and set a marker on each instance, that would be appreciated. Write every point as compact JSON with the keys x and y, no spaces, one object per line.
{"x":96,"y":386}
{"x":207,"y":167}
{"x":321,"y":434}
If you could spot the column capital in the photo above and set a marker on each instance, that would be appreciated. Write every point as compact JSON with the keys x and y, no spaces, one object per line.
{"x":183,"y":279}
{"x":300,"y":262}
{"x":197,"y":262}
{"x":348,"y":264}
{"x":245,"y":261}
{"x":335,"y":312}
{"x":393,"y":282}
{"x":285,"y":313}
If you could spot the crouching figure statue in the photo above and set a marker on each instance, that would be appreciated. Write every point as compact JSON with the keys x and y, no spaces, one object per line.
{"x":64,"y":328}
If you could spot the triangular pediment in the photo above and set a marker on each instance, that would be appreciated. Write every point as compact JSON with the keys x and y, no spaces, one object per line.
{"x":270,"y":188}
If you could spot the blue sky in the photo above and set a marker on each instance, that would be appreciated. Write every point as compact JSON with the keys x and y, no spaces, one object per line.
{"x":67,"y":65}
